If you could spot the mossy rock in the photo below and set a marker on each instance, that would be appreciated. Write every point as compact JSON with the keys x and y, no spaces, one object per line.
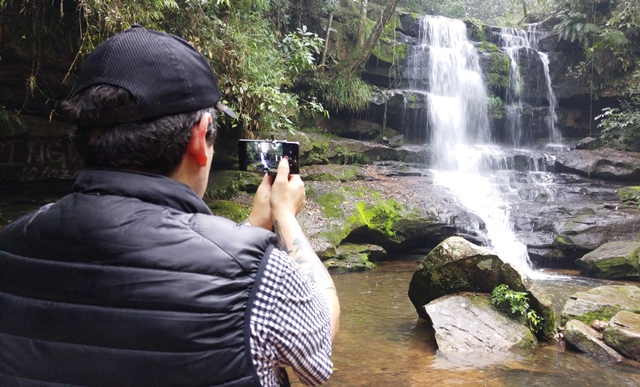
{"x":488,"y":47}
{"x":354,"y":257}
{"x":349,"y":173}
{"x":601,"y":303}
{"x":388,"y":49}
{"x":223,"y":185}
{"x":332,"y":204}
{"x":230,"y":210}
{"x":497,"y":67}
{"x":476,"y":30}
{"x":456,"y":265}
{"x":612,"y":260}
{"x":569,"y":248}
{"x":629,"y":194}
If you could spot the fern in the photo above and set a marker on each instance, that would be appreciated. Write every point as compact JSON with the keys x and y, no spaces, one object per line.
{"x":519,"y":304}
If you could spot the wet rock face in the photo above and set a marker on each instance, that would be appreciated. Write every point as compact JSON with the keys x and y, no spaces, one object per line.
{"x":601,"y":303}
{"x":469,"y":323}
{"x":587,"y":339}
{"x":612,"y":260}
{"x":623,"y":334}
{"x":601,"y":163}
{"x":613,"y":307}
{"x":454,"y":266}
{"x":458,"y":266}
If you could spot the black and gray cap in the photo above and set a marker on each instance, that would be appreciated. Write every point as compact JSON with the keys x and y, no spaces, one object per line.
{"x":165,"y":74}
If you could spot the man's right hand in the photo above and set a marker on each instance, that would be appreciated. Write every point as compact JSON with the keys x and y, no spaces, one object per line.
{"x":261,"y":211}
{"x":287,"y":193}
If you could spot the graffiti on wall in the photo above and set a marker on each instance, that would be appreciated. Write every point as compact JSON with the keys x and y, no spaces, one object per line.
{"x":34,"y":158}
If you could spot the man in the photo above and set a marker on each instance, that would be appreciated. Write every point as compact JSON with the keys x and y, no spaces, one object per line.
{"x":130,"y":280}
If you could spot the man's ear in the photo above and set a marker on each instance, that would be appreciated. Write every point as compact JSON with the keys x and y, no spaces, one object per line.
{"x":198,"y":145}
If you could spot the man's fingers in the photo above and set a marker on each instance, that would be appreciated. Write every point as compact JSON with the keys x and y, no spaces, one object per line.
{"x":267,"y":179}
{"x":283,"y":168}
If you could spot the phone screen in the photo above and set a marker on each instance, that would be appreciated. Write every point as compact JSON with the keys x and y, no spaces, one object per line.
{"x":264,"y":155}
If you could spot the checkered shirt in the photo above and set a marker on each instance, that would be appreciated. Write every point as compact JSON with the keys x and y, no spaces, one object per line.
{"x":289,"y":325}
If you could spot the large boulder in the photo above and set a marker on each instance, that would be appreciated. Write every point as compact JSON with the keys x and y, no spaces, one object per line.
{"x":469,"y":323}
{"x":342,"y":150}
{"x":352,"y":257}
{"x":623,"y":334}
{"x":601,"y":163}
{"x":594,"y":226}
{"x":587,"y":339}
{"x":601,"y":303}
{"x":457,"y":266}
{"x":613,"y":260}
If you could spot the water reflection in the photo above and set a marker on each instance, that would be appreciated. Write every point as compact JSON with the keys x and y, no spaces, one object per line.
{"x":383,"y":343}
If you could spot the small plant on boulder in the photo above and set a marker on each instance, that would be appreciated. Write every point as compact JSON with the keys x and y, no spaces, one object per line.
{"x":518,"y":302}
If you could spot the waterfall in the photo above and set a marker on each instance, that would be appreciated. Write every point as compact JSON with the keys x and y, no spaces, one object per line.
{"x":456,"y":93}
{"x":459,"y":127}
{"x":517,"y":43}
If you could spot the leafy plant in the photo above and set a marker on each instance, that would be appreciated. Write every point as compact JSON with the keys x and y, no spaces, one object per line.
{"x":105,"y":18}
{"x":380,"y":216}
{"x":351,"y":94}
{"x":9,"y":118}
{"x":298,"y":48}
{"x":605,"y":31}
{"x":623,"y":124}
{"x":518,"y":302}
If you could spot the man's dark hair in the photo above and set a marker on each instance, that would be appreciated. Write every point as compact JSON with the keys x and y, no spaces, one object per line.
{"x":154,"y":146}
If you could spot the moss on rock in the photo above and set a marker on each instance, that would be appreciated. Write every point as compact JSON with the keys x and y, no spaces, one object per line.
{"x":629,"y":194}
{"x":230,"y":210}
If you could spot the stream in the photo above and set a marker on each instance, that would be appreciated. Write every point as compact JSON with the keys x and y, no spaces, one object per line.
{"x":382,"y":342}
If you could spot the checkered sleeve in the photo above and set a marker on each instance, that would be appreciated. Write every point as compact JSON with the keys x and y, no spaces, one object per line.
{"x":289,"y":325}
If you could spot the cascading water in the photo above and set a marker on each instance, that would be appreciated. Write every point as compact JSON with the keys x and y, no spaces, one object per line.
{"x":460,"y":133}
{"x":515,"y":43}
{"x":456,"y":93}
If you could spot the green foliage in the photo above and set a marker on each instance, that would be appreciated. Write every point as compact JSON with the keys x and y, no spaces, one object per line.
{"x":630,"y":194}
{"x":574,"y":26}
{"x":518,"y":302}
{"x":105,"y":18}
{"x":498,"y":70}
{"x":508,"y":13}
{"x":495,"y":105}
{"x":9,"y":119}
{"x":380,"y":216}
{"x":494,"y":102}
{"x":605,"y":30}
{"x":622,"y":125}
{"x":331,"y":204}
{"x":254,"y":74}
{"x":476,"y":31}
{"x":298,"y":48}
{"x":239,"y":38}
{"x":351,"y":94}
{"x":230,"y":210}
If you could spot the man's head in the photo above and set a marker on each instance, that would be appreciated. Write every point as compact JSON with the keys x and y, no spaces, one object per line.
{"x":137,"y":98}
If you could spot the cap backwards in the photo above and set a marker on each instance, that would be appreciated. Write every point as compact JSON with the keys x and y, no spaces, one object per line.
{"x":165,"y":74}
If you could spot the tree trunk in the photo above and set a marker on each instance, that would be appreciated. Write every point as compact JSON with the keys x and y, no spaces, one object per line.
{"x":360,"y":55}
{"x":362,"y":25}
{"x":326,"y":40}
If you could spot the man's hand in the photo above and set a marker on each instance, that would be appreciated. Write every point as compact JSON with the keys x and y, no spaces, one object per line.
{"x":287,"y":193}
{"x":261,"y":212}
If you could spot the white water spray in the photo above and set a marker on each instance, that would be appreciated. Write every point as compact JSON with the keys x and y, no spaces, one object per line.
{"x":516,"y":42}
{"x":459,"y":125}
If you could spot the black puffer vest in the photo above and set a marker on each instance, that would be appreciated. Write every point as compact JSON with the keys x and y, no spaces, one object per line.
{"x":128,"y":281}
